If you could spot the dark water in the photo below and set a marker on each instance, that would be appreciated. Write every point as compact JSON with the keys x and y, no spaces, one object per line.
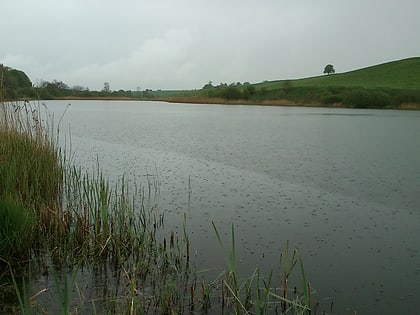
{"x":342,"y":185}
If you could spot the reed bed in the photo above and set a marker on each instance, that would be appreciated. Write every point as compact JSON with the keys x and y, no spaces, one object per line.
{"x":61,"y":225}
{"x":31,"y":178}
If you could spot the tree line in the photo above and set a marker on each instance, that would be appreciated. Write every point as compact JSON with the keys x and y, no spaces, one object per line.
{"x":15,"y":84}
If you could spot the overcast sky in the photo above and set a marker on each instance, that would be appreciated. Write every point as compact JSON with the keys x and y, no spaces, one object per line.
{"x":183,"y":44}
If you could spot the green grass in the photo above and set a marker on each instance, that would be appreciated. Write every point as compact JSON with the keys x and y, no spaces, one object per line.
{"x":394,"y":84}
{"x":401,"y":74}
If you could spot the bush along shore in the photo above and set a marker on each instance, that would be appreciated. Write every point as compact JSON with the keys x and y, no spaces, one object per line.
{"x":72,"y":244}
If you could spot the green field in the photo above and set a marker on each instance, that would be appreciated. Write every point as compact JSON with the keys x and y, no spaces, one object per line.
{"x":394,"y":84}
{"x":401,"y":74}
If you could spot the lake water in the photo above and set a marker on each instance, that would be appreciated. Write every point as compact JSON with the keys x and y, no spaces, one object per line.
{"x":342,"y":185}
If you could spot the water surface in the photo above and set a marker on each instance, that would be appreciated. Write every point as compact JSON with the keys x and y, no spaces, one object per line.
{"x":343,"y":185}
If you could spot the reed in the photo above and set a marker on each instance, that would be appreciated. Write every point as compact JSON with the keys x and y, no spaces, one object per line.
{"x":242,"y":299}
{"x":30,"y":178}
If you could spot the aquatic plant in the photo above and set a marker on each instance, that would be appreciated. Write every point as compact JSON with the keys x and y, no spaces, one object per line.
{"x":30,"y":177}
{"x":16,"y":225}
{"x":247,"y":297}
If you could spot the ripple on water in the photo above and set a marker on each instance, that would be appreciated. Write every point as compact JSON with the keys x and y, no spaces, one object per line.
{"x":321,"y":181}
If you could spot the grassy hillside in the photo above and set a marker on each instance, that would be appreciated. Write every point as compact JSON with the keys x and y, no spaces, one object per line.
{"x":394,"y":84}
{"x":401,"y":74}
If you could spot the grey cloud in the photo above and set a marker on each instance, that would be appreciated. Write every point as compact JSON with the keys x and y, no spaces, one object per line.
{"x":184,"y":44}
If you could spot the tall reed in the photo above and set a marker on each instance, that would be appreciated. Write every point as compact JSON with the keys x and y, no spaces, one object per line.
{"x":252,"y":295}
{"x":31,"y":173}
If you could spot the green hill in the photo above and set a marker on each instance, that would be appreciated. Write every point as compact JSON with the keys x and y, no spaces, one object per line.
{"x":401,"y":74}
{"x":393,"y":84}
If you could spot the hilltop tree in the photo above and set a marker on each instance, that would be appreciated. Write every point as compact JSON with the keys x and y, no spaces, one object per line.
{"x":106,"y":88}
{"x":208,"y":85}
{"x":329,"y":69}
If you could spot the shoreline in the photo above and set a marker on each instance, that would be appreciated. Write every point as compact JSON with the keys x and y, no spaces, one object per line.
{"x":223,"y":101}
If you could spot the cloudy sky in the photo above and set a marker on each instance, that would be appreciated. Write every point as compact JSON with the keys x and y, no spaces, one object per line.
{"x":183,"y":44}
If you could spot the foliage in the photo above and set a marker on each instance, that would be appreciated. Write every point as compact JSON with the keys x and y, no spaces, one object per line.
{"x":400,"y":97}
{"x":248,"y":91}
{"x":208,"y":85}
{"x":13,"y":78}
{"x":106,"y":88}
{"x":362,"y":98}
{"x":332,"y":99}
{"x":231,"y":93}
{"x":329,"y":69}
{"x":14,"y":82}
{"x":16,"y":78}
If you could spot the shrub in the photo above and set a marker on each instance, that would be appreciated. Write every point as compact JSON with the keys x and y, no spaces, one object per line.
{"x":405,"y":96}
{"x":367,"y":99}
{"x":331,"y":99}
{"x":231,"y":93}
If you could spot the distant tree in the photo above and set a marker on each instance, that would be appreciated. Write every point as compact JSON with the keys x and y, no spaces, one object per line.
{"x":106,"y":88}
{"x":329,"y":69}
{"x":231,"y":93}
{"x":49,"y":90}
{"x":208,"y":85}
{"x":79,"y":88}
{"x":60,"y":84}
{"x":250,"y":89}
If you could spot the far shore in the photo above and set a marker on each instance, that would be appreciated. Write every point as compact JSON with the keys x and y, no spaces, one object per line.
{"x":222,"y":101}
{"x":275,"y":102}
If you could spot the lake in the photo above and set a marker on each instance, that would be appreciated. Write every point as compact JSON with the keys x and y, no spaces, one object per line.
{"x":342,"y":185}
